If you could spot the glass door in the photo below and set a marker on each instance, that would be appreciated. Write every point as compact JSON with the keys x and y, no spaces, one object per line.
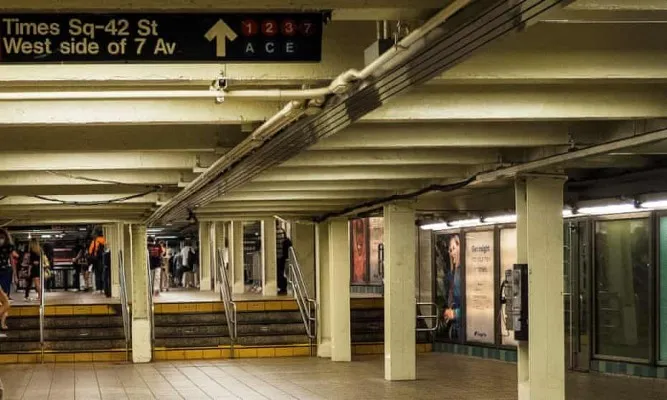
{"x":576,"y":295}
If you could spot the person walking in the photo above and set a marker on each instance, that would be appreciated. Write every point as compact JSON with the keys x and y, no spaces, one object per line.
{"x":34,"y":259}
{"x":96,"y":258}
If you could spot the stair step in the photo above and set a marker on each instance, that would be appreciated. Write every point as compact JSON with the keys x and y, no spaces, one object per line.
{"x":225,"y":341}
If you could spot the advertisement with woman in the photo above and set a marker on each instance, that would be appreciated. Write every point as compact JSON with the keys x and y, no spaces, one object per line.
{"x":449,"y":273}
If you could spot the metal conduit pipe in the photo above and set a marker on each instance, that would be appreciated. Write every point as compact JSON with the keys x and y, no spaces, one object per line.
{"x":341,"y":84}
{"x":295,"y":109}
{"x":437,"y":51}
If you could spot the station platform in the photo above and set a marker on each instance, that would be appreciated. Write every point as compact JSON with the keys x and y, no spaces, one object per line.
{"x":439,"y":376}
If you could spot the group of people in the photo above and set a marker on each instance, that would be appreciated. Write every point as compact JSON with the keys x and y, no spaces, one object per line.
{"x":171,"y":267}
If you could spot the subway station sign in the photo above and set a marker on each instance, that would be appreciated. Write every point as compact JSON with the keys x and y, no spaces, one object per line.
{"x":252,"y":37}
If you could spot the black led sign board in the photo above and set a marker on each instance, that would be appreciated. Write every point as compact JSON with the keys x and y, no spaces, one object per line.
{"x":135,"y":37}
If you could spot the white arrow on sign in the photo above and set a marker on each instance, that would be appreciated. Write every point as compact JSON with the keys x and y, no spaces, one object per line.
{"x":221,"y":31}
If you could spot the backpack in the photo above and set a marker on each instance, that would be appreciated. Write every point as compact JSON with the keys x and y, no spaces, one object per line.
{"x":98,"y":253}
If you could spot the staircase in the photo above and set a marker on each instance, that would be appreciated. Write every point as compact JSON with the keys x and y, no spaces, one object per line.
{"x":194,"y":331}
{"x":71,"y":333}
{"x":367,"y":326}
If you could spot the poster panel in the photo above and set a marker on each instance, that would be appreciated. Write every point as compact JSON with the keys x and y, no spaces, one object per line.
{"x":479,"y":260}
{"x":449,"y":270}
{"x":663,"y":289}
{"x":507,"y":261}
{"x":376,"y":227}
{"x":359,"y":251}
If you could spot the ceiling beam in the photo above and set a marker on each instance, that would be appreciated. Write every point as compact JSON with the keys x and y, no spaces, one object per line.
{"x":40,"y":161}
{"x":386,"y":172}
{"x":303,"y":195}
{"x":577,"y":53}
{"x":392,"y":157}
{"x":454,"y":135}
{"x":618,"y":5}
{"x":213,"y":5}
{"x":146,"y":177}
{"x":93,"y":189}
{"x":270,"y":204}
{"x":524,"y":103}
{"x":162,"y":111}
{"x":149,"y":200}
{"x":136,"y":137}
{"x":357,"y":184}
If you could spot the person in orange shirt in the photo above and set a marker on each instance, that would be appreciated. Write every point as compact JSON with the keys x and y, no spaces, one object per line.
{"x":96,"y":258}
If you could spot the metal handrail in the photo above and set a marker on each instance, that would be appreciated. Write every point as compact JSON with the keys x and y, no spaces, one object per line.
{"x":41,"y":301}
{"x":307,"y":305}
{"x":435,"y":316}
{"x":151,"y":306}
{"x":226,"y":298}
{"x":125,"y":305}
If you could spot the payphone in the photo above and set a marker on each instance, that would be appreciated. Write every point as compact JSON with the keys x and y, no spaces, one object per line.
{"x":514,"y":294}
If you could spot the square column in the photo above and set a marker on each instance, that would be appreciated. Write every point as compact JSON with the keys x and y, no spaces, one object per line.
{"x":541,"y":361}
{"x":236,"y":257}
{"x":324,"y":297}
{"x":205,"y":240}
{"x":114,"y":237}
{"x":399,"y":292}
{"x":303,"y":241}
{"x":142,"y":351}
{"x":127,"y":258}
{"x":339,"y":288}
{"x":219,"y":238}
{"x":269,"y":258}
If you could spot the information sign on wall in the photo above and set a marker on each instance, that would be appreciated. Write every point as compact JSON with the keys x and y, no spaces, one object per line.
{"x":140,"y":37}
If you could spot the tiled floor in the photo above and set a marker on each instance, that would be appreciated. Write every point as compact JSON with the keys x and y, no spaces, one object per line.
{"x":441,"y":376}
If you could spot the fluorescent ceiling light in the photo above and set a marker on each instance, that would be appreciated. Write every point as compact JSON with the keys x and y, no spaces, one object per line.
{"x":655,"y":204}
{"x":608,"y":209}
{"x":46,"y":236}
{"x":500,"y":219}
{"x":111,"y":95}
{"x":438,"y":226}
{"x":465,"y":222}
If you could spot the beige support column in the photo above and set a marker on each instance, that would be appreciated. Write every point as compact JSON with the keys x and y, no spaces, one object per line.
{"x":269,"y":258}
{"x":127,"y":258}
{"x":399,"y":292}
{"x":236,"y":257}
{"x":142,"y":351}
{"x":323,"y":290}
{"x":114,"y":237}
{"x":205,"y":256}
{"x":219,"y":246}
{"x":540,"y":245}
{"x":339,"y":284}
{"x":303,"y":241}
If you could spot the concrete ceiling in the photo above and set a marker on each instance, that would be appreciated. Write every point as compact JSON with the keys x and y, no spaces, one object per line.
{"x":568,"y":82}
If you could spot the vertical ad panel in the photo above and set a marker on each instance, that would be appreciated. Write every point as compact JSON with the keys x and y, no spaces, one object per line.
{"x":479,"y":261}
{"x":663,"y":289}
{"x":376,"y":238}
{"x":449,"y":270}
{"x":359,"y":250}
{"x":507,"y":261}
